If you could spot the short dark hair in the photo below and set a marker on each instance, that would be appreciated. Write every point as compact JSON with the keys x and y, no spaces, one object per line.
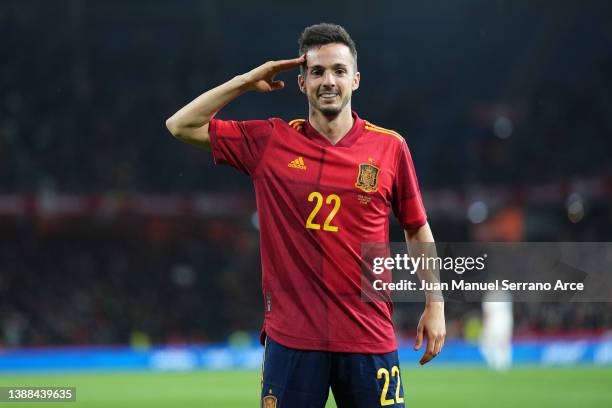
{"x":325,"y":33}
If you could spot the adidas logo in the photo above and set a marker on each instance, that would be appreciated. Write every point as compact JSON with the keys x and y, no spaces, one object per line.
{"x":297,"y":163}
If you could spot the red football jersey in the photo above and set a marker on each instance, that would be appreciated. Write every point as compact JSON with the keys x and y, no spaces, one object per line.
{"x":317,"y":204}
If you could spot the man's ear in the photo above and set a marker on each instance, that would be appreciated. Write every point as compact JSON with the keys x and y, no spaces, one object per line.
{"x":356,"y":80}
{"x":301,"y":84}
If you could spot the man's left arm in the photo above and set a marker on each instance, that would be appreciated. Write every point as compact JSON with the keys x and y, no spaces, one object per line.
{"x":431,"y":326}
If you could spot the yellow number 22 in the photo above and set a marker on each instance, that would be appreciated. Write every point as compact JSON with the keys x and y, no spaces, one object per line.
{"x":383,"y":372}
{"x":315,"y":195}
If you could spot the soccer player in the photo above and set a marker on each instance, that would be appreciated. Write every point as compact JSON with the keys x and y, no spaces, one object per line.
{"x":324,"y":185}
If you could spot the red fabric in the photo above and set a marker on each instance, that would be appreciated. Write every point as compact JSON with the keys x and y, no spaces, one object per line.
{"x":311,"y":277}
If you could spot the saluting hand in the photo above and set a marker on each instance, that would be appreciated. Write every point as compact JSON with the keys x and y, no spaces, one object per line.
{"x":261,"y":79}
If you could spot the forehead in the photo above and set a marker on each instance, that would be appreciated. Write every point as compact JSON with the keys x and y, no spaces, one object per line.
{"x":329,"y":54}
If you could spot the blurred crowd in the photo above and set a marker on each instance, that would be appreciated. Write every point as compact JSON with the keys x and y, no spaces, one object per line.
{"x":181,"y":281}
{"x":86,"y":283}
{"x":85,"y":91}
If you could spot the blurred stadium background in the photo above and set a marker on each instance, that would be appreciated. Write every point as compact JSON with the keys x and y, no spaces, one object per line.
{"x":129,"y":265}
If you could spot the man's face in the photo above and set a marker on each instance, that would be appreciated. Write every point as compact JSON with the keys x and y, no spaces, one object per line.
{"x":329,"y":78}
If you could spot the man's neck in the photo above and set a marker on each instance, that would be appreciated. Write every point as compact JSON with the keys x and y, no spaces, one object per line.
{"x":333,"y":128}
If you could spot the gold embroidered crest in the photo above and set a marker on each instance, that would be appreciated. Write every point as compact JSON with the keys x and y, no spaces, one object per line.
{"x":367,"y":178}
{"x":269,"y":401}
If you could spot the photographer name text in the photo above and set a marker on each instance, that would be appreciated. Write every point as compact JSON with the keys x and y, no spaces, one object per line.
{"x":460,"y":284}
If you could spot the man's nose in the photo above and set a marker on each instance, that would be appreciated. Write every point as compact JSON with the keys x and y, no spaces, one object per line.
{"x":329,"y":80}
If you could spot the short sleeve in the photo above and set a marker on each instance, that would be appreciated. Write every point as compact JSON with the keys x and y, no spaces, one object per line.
{"x":239,"y":144}
{"x":407,"y":202}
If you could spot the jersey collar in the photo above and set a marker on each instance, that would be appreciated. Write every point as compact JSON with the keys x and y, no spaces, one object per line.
{"x":346,"y":141}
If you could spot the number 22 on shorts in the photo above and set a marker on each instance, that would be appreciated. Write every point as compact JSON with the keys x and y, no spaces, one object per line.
{"x":383,"y":372}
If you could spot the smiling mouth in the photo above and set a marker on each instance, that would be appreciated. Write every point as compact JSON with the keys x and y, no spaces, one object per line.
{"x":328,"y":96}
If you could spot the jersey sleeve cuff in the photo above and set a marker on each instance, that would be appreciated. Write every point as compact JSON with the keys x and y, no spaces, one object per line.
{"x":413,"y":224}
{"x":218,"y":156}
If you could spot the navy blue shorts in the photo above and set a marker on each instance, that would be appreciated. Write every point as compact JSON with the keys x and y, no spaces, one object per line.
{"x":301,"y":379}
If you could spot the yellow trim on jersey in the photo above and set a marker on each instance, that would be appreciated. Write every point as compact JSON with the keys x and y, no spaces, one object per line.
{"x":295,"y":123}
{"x":263,"y":361}
{"x":370,"y":126}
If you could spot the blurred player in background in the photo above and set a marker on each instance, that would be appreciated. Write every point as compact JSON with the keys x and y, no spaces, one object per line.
{"x":324,"y":185}
{"x":496,"y":339}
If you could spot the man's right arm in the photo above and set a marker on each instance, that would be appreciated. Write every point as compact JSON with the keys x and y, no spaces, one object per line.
{"x":190,"y":123}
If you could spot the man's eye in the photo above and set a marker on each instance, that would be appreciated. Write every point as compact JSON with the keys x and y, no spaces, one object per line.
{"x":340,"y":71}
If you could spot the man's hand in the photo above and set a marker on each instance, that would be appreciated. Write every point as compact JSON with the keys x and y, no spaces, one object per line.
{"x":261,"y":79}
{"x":433,"y":328}
{"x":190,"y":123}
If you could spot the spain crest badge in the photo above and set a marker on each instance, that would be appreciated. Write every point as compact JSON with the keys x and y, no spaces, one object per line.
{"x":269,"y":401}
{"x":367,"y":178}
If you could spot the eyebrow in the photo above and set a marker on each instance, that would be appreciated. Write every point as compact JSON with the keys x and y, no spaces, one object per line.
{"x":337,"y":65}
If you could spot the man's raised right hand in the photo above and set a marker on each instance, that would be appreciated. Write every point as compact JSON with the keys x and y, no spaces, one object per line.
{"x":261,"y":79}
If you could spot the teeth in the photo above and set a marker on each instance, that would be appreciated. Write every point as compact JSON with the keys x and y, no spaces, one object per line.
{"x":328,"y":94}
